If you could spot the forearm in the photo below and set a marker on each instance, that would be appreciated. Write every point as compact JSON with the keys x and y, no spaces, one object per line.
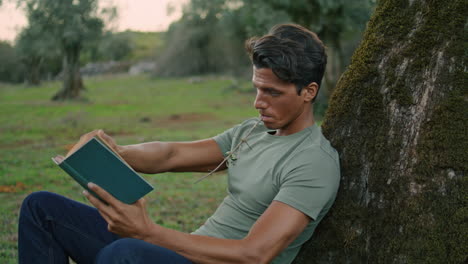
{"x":276,"y":228}
{"x":203,"y":249}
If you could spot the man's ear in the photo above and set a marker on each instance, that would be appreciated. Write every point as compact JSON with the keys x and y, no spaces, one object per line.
{"x":310,"y":91}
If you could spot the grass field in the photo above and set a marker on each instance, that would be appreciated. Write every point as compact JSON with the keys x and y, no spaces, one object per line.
{"x":133,"y":110}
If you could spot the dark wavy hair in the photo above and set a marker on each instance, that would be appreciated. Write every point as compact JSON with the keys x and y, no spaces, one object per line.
{"x":294,"y":54}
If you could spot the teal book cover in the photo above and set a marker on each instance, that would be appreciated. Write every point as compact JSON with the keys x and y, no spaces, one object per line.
{"x":95,"y":162}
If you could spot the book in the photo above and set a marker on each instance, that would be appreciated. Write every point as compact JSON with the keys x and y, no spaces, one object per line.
{"x":95,"y":161}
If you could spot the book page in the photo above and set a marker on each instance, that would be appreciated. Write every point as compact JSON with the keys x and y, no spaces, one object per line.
{"x":77,"y":146}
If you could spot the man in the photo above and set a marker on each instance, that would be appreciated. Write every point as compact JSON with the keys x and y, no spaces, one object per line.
{"x":283,"y":179}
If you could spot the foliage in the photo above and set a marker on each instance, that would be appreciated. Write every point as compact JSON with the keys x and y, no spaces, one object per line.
{"x":110,"y":47}
{"x":33,"y":129}
{"x":200,"y":43}
{"x":120,"y":46}
{"x":205,"y":24}
{"x":328,"y":18}
{"x":146,"y":45}
{"x":209,"y":38}
{"x":64,"y":25}
{"x":36,"y":49}
{"x":11,"y":69}
{"x":124,"y":46}
{"x":115,"y":47}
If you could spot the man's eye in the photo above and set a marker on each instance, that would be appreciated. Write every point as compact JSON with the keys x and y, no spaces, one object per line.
{"x":274,"y":93}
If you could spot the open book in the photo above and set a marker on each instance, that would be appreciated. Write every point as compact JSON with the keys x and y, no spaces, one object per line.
{"x":95,"y":161}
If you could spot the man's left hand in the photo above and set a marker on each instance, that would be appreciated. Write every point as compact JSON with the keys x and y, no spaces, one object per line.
{"x":125,"y":220}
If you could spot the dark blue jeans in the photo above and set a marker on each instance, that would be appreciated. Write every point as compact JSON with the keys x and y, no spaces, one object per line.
{"x":53,"y":228}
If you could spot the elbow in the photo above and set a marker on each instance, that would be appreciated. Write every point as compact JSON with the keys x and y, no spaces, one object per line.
{"x":252,"y":255}
{"x":252,"y":259}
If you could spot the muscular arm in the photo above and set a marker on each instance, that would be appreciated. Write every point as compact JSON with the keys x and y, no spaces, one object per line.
{"x":278,"y":226}
{"x":272,"y":233}
{"x":155,"y":157}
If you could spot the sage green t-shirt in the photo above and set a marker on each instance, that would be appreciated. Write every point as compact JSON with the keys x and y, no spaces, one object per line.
{"x":301,"y":170}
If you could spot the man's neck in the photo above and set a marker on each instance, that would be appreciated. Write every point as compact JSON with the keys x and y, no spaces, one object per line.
{"x":306,"y":119}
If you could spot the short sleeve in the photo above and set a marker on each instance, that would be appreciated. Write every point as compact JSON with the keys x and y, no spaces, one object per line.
{"x":228,"y":138}
{"x":224,"y":140}
{"x":310,"y":184}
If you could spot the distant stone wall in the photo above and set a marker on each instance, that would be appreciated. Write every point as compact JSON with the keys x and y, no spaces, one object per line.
{"x":142,"y":67}
{"x":116,"y":67}
{"x":99,"y":68}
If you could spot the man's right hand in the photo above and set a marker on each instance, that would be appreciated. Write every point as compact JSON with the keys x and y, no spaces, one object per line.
{"x":108,"y":140}
{"x":156,"y":157}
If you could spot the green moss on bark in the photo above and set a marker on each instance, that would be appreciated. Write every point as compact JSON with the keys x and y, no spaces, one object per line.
{"x":391,"y":210}
{"x":442,"y":166}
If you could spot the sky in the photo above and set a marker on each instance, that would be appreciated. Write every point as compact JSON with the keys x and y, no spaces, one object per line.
{"x":138,"y":15}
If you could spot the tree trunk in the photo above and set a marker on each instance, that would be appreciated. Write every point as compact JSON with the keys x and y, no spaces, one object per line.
{"x":33,"y":74}
{"x":72,"y":82}
{"x":398,"y":117}
{"x":335,"y":67}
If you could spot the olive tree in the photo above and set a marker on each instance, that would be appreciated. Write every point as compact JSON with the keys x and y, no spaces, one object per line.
{"x":398,"y":118}
{"x":68,"y":24}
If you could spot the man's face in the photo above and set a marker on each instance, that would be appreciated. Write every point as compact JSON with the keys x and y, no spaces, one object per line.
{"x":278,"y":103}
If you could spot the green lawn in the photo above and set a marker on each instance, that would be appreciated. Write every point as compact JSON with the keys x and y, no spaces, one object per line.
{"x":133,"y":110}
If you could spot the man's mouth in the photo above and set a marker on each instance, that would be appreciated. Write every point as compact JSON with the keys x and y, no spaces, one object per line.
{"x":266,"y":118}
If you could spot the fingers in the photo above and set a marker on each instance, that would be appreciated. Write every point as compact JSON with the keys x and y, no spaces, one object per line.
{"x":122,"y":219}
{"x":102,"y":208}
{"x":83,"y":140}
{"x":103,"y":135}
{"x":97,"y":133}
{"x":90,"y":134}
{"x":107,"y":197}
{"x":58,"y":159}
{"x":111,"y":212}
{"x":141,"y":203}
{"x":108,"y":139}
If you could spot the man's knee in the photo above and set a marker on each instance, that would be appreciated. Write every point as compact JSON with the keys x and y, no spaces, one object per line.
{"x":36,"y":200}
{"x":119,"y":251}
{"x":129,"y":250}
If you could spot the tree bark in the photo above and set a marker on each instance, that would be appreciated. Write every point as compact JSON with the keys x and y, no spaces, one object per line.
{"x":398,"y":117}
{"x":33,"y":74}
{"x":72,"y":82}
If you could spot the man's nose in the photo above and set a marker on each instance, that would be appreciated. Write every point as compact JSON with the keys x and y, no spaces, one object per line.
{"x":260,"y":102}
